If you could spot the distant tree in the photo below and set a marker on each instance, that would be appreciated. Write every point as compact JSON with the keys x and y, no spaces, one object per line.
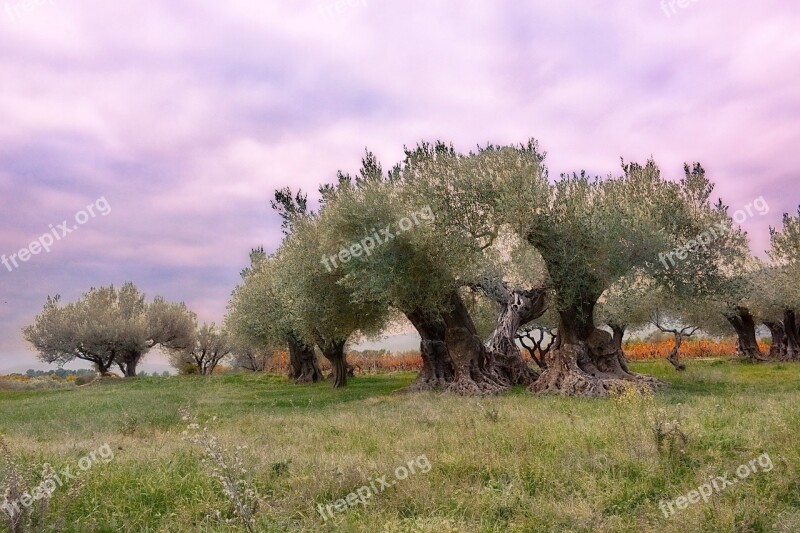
{"x":209,"y":347}
{"x":249,"y":359}
{"x":108,"y":326}
{"x":706,"y":287}
{"x":626,"y":305}
{"x":778,"y":289}
{"x":165,"y":374}
{"x":260,"y":319}
{"x":323,"y":308}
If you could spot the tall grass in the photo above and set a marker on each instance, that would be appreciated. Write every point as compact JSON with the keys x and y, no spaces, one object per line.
{"x":517,"y":462}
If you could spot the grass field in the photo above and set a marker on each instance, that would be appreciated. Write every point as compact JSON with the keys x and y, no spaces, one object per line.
{"x":518,"y":462}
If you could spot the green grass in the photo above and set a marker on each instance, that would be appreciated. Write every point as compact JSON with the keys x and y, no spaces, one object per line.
{"x":518,"y":462}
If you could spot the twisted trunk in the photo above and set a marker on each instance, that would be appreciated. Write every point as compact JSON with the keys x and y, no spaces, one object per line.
{"x":334,"y":352}
{"x":617,"y":336}
{"x":517,"y":309}
{"x":102,"y":363}
{"x":745,"y":326}
{"x":303,"y":365}
{"x":454,"y":357}
{"x":586,"y":361}
{"x":792,"y":335}
{"x":778,"y":348}
{"x":128,"y":361}
{"x":437,"y":367}
{"x":128,"y":367}
{"x":472,"y":363}
{"x":673,"y":355}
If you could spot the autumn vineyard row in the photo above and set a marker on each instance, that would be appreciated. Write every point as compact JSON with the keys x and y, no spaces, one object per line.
{"x":278,"y":363}
{"x":411,"y":361}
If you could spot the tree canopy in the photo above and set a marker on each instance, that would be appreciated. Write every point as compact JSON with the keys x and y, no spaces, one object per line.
{"x":108,"y":326}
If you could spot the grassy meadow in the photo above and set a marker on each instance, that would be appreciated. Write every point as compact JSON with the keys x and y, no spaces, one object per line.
{"x":517,"y":462}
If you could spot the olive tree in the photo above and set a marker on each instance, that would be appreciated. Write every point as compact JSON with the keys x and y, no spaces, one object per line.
{"x":423,"y":233}
{"x":261,"y":320}
{"x":208,"y":348}
{"x":591,"y":233}
{"x":779,"y":289}
{"x":323,"y":307}
{"x":108,"y":326}
{"x":774,"y":299}
{"x":627,"y":305}
{"x":707,"y":284}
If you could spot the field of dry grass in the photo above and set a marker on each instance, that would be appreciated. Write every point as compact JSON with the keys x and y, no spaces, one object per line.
{"x":517,"y":462}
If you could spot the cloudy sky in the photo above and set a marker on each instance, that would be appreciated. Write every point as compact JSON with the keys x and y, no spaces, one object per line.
{"x":185,"y":116}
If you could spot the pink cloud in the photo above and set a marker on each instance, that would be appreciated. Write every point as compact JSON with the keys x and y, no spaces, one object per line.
{"x":187,"y":115}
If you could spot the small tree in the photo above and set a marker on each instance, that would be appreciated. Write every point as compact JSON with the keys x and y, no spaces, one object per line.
{"x":209,"y":347}
{"x":109,"y":326}
{"x":679,"y":331}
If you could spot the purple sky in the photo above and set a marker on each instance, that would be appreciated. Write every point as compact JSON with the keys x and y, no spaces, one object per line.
{"x":185,"y":116}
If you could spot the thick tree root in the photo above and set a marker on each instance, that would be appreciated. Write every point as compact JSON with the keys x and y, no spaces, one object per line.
{"x":437,"y":367}
{"x":424,"y":384}
{"x":514,"y":369}
{"x":309,"y":373}
{"x":474,"y":367}
{"x":593,"y":368}
{"x":481,"y":384}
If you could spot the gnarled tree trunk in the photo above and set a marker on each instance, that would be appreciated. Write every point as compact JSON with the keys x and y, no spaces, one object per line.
{"x":128,"y":368}
{"x":586,"y":362}
{"x":334,"y":352}
{"x":745,"y":326}
{"x":617,"y":334}
{"x":792,"y":335}
{"x":675,"y":352}
{"x":128,"y":361}
{"x":103,"y":364}
{"x":456,"y":360}
{"x":437,"y":367}
{"x":472,"y":363}
{"x":517,"y":309}
{"x":303,"y":365}
{"x":778,"y":348}
{"x":540,"y":344}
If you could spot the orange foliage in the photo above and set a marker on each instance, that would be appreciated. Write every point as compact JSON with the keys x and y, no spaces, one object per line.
{"x":412,"y":362}
{"x":690,"y":349}
{"x":390,"y":362}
